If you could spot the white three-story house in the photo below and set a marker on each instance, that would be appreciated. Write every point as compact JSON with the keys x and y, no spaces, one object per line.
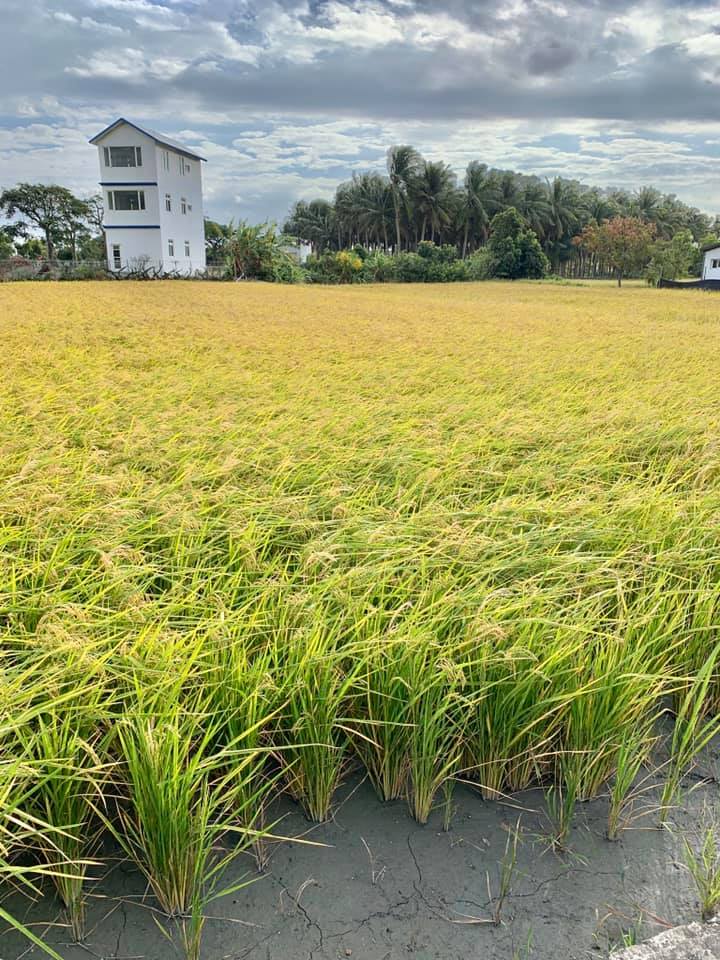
{"x":152,"y":192}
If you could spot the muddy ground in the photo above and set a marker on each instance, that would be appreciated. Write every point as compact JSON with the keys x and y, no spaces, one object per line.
{"x":385,"y":888}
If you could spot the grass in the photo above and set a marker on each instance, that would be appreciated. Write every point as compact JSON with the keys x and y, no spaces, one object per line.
{"x":251,"y":535}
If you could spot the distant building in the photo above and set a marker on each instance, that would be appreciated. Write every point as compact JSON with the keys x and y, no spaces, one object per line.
{"x":298,"y":250}
{"x":152,"y":193}
{"x":711,"y":262}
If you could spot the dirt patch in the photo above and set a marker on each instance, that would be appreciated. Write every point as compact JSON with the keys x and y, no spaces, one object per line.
{"x":385,"y":888}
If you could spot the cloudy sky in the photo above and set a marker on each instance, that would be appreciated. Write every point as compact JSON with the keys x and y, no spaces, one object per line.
{"x":287,"y":97}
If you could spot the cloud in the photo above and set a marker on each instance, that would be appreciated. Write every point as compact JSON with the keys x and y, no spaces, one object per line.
{"x":286,"y":97}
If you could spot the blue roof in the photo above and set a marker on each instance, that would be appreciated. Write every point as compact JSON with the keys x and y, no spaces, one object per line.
{"x":153,"y":134}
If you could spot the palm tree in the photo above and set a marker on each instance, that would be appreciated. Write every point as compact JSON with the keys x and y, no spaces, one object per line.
{"x":646,"y":204}
{"x":373,"y":205}
{"x":313,"y":222}
{"x":533,"y":204}
{"x":507,"y":188}
{"x":431,"y":195}
{"x":564,"y":215}
{"x":479,"y":201}
{"x":403,"y":165}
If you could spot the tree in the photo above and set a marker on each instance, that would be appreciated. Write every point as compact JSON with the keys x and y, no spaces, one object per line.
{"x":52,"y":209}
{"x":403,"y":166}
{"x":216,"y":238}
{"x":95,"y":212}
{"x":564,"y":206}
{"x":623,"y":243}
{"x":10,"y":234}
{"x":432,"y":194}
{"x":73,"y":229}
{"x":364,"y":210}
{"x":514,"y":249}
{"x":479,"y":200}
{"x":257,"y":253}
{"x":314,"y":222}
{"x":31,"y":249}
{"x":672,"y":258}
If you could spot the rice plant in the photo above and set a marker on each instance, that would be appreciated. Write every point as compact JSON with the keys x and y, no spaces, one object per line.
{"x":179,"y":797}
{"x":692,"y":729}
{"x":243,"y":694}
{"x":634,"y":751}
{"x":246,"y":543}
{"x":703,"y":863}
{"x":311,"y":733}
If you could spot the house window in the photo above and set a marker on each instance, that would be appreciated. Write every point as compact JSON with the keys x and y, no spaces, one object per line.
{"x":117,"y":262}
{"x":123,"y":156}
{"x":168,"y":203}
{"x":166,"y":160}
{"x":126,"y":199}
{"x":183,"y":205}
{"x":715,"y":264}
{"x":187,"y":248}
{"x":171,"y":248}
{"x":183,"y":165}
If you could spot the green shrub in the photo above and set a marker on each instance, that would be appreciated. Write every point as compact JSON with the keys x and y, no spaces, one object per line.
{"x":479,"y":265}
{"x":410,"y":268}
{"x":379,"y":268}
{"x":257,"y":253}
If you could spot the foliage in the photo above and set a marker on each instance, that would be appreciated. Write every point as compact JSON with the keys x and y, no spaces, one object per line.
{"x":420,"y":199}
{"x":257,"y":253}
{"x":623,"y":242}
{"x":216,"y":239}
{"x":479,"y":265}
{"x":8,"y":237}
{"x":31,"y":249}
{"x":51,"y":208}
{"x":673,"y":258}
{"x":513,"y":249}
{"x":345,"y":266}
{"x":378,"y":524}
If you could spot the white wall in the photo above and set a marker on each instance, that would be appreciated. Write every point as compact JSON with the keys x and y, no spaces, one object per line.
{"x":175,"y":225}
{"x":138,"y":247}
{"x":143,"y":234}
{"x":710,"y":272}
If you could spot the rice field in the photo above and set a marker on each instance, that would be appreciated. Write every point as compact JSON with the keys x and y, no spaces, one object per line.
{"x":254,"y":537}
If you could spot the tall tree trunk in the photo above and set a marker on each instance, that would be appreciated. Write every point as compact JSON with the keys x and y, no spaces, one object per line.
{"x":397,"y":221}
{"x":465,"y":239}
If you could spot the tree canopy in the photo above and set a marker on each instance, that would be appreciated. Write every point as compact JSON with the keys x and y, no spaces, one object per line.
{"x":71,"y":227}
{"x":418,"y":199}
{"x":623,"y":243}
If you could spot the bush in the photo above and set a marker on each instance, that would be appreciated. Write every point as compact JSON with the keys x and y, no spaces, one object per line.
{"x":446,"y":253}
{"x":479,"y":265}
{"x":410,"y":268}
{"x":257,"y":253}
{"x":514,"y":250}
{"x":379,"y":268}
{"x":346,"y":266}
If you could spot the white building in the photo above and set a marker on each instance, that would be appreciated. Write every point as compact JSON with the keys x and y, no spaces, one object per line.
{"x":299,"y":250}
{"x":152,"y":193}
{"x":711,"y":263}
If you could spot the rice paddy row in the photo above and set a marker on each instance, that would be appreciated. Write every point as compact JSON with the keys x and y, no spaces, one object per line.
{"x":252,"y":536}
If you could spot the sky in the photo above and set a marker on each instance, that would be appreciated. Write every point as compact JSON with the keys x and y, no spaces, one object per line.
{"x":287,"y":98}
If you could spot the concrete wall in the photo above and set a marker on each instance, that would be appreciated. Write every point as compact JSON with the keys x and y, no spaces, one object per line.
{"x":143,"y":235}
{"x":176,"y":225}
{"x":709,"y":271}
